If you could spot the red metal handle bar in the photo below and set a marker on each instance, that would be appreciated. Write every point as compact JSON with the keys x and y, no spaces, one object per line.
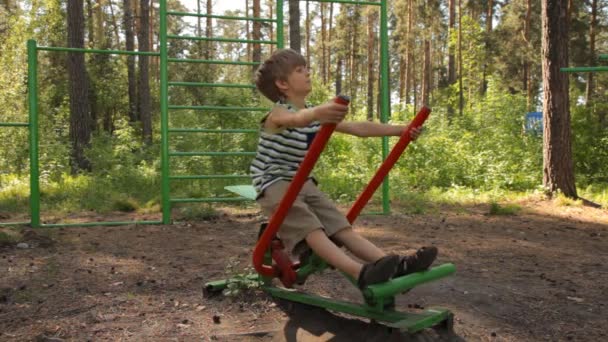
{"x":317,"y":146}
{"x":387,"y":165}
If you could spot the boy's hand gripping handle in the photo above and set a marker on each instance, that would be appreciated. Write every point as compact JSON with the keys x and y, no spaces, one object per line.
{"x":317,"y":146}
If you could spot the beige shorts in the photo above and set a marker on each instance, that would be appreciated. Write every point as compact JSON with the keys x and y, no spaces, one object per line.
{"x":310,"y":211}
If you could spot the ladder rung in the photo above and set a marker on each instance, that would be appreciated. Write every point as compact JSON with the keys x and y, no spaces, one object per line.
{"x":223,"y":108}
{"x":352,"y":2}
{"x":205,"y":130}
{"x":210,"y":154}
{"x":213,"y":16}
{"x":203,"y":84}
{"x":209,"y":61}
{"x":210,"y":199}
{"x":209,"y":177}
{"x":224,"y":40}
{"x":13,"y":124}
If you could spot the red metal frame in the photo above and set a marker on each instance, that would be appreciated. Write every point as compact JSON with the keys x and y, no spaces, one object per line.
{"x":283,"y":267}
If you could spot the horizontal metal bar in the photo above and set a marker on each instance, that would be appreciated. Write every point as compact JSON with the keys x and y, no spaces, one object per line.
{"x":209,"y":199}
{"x":212,"y":16}
{"x":93,"y":224}
{"x":603,"y":56}
{"x":374,"y":3}
{"x":210,"y":154}
{"x":107,"y":52}
{"x":224,"y":40}
{"x":584,"y":69}
{"x":14,"y":124}
{"x":213,"y":85}
{"x":223,"y":108}
{"x":209,"y":61}
{"x":205,"y":130}
{"x":4,"y":224}
{"x":209,"y":177}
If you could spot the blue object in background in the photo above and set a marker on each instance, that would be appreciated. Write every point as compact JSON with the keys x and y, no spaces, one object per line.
{"x":534,"y":123}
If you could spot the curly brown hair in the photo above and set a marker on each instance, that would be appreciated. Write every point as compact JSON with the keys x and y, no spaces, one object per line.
{"x":277,"y":67}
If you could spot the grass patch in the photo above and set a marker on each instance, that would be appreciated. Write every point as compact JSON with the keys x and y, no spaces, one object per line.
{"x":563,"y":201}
{"x":126,"y":205}
{"x":198,"y":213}
{"x":508,"y":209}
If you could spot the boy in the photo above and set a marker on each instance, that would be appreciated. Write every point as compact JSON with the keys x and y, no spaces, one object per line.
{"x":313,"y":220}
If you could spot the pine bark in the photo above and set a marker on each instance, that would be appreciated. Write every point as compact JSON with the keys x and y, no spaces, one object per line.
{"x":558,"y":168}
{"x":144,"y":77}
{"x":80,"y":111}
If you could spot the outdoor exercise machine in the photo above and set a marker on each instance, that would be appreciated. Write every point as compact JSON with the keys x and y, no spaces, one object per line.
{"x":270,"y":259}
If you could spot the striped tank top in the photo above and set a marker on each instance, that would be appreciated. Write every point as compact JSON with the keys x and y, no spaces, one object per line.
{"x":279,"y":154}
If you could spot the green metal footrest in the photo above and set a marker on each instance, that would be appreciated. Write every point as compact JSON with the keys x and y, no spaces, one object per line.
{"x":377,"y":297}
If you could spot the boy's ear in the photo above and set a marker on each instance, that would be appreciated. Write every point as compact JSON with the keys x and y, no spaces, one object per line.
{"x":281,"y":84}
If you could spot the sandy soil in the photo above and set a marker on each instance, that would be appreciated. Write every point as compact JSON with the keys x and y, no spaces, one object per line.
{"x":538,"y":275}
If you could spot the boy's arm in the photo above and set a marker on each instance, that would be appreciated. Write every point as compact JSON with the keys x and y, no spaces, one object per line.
{"x":280,"y":117}
{"x":370,"y":129}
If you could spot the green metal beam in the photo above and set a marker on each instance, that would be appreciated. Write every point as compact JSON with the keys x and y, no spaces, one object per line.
{"x":224,"y":40}
{"x":222,"y":108}
{"x":106,"y":52}
{"x":212,"y":16}
{"x":584,"y":69}
{"x":209,"y":177}
{"x":210,"y":154}
{"x":205,"y":130}
{"x":398,"y":285}
{"x":209,"y":199}
{"x":349,"y":2}
{"x":164,"y":115}
{"x":95,"y":224}
{"x":32,"y":92}
{"x":13,"y":124}
{"x":385,"y":97}
{"x":216,"y":85}
{"x":208,"y":61}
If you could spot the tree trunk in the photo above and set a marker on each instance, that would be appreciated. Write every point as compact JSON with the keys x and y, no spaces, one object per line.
{"x":271,"y":14}
{"x":209,"y":31}
{"x":460,"y":71}
{"x":558,"y":169}
{"x":257,"y":35}
{"x":426,"y":74}
{"x":330,"y":31}
{"x":295,"y":40}
{"x":592,"y":32}
{"x":527,"y":74}
{"x":308,"y":33}
{"x":451,"y":58}
{"x":144,"y":81}
{"x":130,"y":46}
{"x":323,"y":43}
{"x":339,"y":76}
{"x":371,"y":61}
{"x":80,"y":116}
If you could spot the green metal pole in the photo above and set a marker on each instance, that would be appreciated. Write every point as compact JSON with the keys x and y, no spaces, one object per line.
{"x":164,"y":119}
{"x":32,"y":89}
{"x":398,"y":285}
{"x":584,"y":69}
{"x":280,"y":38}
{"x":386,"y":95}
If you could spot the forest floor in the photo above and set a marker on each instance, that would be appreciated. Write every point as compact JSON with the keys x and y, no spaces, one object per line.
{"x":538,"y":275}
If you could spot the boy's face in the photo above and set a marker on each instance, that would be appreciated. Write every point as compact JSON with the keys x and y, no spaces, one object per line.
{"x":298,"y":82}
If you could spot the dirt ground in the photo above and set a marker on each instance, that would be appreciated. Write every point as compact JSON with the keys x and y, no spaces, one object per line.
{"x":538,"y":275}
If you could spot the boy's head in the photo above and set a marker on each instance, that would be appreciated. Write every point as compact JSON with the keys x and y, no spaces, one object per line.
{"x":277,"y":68}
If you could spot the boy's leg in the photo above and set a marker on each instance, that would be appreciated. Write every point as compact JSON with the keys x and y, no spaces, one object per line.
{"x":328,"y":251}
{"x":375,"y":272}
{"x":361,"y":247}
